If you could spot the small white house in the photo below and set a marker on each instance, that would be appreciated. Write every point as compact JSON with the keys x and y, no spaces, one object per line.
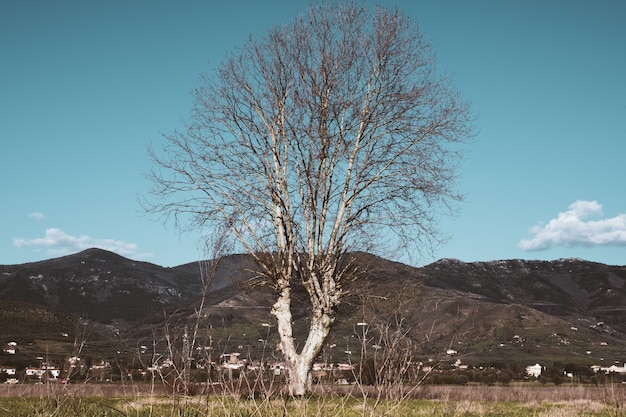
{"x":610,"y":369}
{"x":8,"y":371}
{"x":39,"y":372}
{"x":534,"y":370}
{"x":34,"y":372}
{"x":10,"y":348}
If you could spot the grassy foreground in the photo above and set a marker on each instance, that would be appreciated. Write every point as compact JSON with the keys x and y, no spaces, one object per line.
{"x":64,"y":405}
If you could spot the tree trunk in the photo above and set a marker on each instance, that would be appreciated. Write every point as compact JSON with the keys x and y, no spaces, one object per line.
{"x":299,"y":365}
{"x":299,"y":376}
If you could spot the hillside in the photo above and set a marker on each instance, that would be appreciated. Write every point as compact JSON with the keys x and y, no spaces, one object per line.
{"x":513,"y":310}
{"x":102,"y":286}
{"x":571,"y":288}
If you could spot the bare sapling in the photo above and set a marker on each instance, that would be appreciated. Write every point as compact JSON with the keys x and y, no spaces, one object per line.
{"x":176,"y":363}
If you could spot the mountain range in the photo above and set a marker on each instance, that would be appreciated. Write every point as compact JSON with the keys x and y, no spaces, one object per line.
{"x":517,"y":311}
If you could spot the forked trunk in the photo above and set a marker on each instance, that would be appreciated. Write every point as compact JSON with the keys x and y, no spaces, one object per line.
{"x":299,"y":365}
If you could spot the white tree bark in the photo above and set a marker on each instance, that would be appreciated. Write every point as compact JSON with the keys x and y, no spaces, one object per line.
{"x":299,"y":365}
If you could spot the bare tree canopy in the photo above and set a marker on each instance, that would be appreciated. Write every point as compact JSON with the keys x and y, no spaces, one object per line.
{"x":324,"y":136}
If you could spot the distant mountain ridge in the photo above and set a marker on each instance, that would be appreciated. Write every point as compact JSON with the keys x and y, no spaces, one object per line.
{"x":476,"y":307}
{"x":563,"y":287}
{"x":95,"y":284}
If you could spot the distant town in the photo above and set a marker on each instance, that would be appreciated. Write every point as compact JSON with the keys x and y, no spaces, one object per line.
{"x":231,"y":365}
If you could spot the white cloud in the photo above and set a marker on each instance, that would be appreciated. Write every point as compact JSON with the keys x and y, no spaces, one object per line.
{"x":581,"y":225}
{"x":56,"y":242}
{"x":37,"y":215}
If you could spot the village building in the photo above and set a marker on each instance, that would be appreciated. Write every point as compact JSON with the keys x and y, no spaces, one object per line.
{"x":8,"y":370}
{"x":10,"y":348}
{"x":45,"y":370}
{"x":534,"y":370}
{"x":613,"y":369}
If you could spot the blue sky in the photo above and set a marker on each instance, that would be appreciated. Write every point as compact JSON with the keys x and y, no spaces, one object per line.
{"x":86,"y":86}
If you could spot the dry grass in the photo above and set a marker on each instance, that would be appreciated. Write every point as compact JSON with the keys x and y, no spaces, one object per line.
{"x":81,"y":390}
{"x":515,"y":393}
{"x":441,"y":401}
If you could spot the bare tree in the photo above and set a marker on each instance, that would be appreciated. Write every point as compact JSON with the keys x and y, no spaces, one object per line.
{"x":331,"y":134}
